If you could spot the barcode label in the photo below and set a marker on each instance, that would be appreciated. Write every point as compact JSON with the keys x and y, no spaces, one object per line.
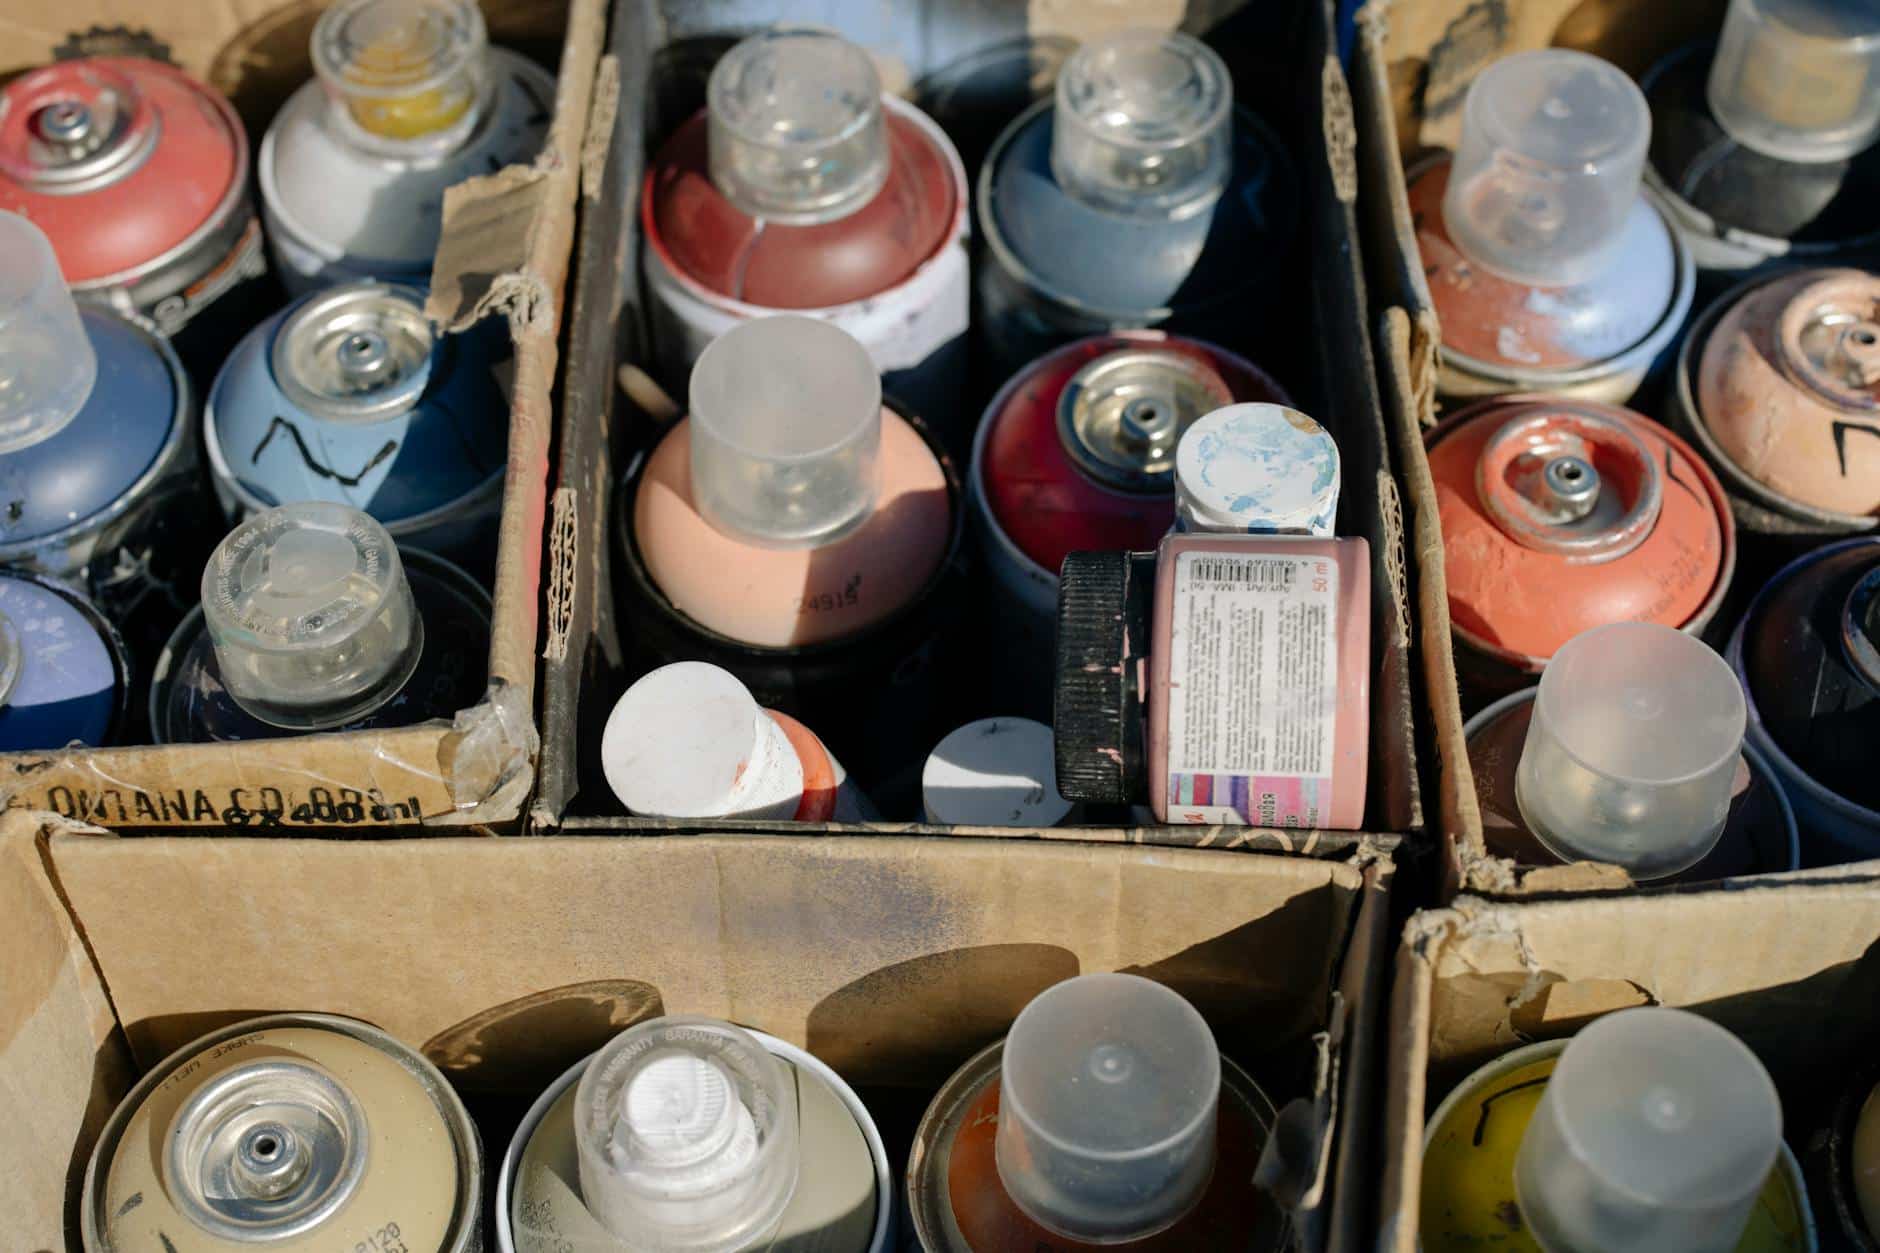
{"x":1240,"y":572}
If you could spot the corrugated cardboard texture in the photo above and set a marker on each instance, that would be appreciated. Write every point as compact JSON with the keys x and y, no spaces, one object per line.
{"x":63,"y":1064}
{"x":1791,"y":963}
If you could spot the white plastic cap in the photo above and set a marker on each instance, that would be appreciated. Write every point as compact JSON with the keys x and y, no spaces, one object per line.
{"x":1553,"y":148}
{"x":1144,"y":123}
{"x":312,"y":620}
{"x":1799,"y":80}
{"x":1632,"y":752}
{"x":786,"y":432}
{"x":996,"y":772}
{"x":1259,"y":469}
{"x":686,"y":1136}
{"x":1655,"y":1134}
{"x":1109,"y":1087}
{"x":688,"y":741}
{"x":47,"y":366}
{"x":406,"y":75}
{"x":796,"y":131}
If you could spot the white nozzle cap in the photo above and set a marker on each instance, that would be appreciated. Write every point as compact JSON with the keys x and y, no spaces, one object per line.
{"x":786,"y":432}
{"x":1553,"y":148}
{"x":1144,"y":123}
{"x":1655,"y":1134}
{"x":1109,"y":1089}
{"x":406,"y":75}
{"x":47,"y":366}
{"x":688,"y":741}
{"x":996,"y":772}
{"x":1799,"y":80}
{"x":1256,"y":469}
{"x":796,"y":130}
{"x":686,"y":1134}
{"x":311,"y":617}
{"x":1632,"y":752}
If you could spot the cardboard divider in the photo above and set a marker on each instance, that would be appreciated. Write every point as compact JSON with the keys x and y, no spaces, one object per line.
{"x":505,"y":252}
{"x":506,"y":960}
{"x":663,"y":51}
{"x":1790,"y":963}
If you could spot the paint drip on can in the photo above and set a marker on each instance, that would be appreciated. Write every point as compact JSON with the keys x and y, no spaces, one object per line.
{"x":409,"y":99}
{"x":311,"y":1129}
{"x":1140,"y":159}
{"x":64,"y":675}
{"x":1808,"y":653}
{"x":352,"y":396}
{"x":139,"y":175}
{"x":1560,"y":515}
{"x":858,"y":217}
{"x":1548,"y":266}
{"x":1077,"y":452}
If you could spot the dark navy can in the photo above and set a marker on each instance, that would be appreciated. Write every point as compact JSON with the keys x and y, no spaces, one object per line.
{"x":64,"y":678}
{"x":349,"y":395}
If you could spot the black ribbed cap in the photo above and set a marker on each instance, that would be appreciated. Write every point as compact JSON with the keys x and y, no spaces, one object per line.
{"x":1104,"y":601}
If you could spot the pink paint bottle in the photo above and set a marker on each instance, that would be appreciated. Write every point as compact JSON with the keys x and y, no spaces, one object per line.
{"x":1225,"y":678}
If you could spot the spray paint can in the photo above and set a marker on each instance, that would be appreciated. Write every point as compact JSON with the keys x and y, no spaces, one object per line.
{"x":409,"y":100}
{"x":351,"y":396}
{"x":1779,"y":388}
{"x":312,"y":619}
{"x":1808,"y":653}
{"x":1141,"y":159}
{"x":139,"y":175}
{"x":1843,"y":1160}
{"x":994,"y":772}
{"x":1559,"y":515}
{"x":972,"y":1189}
{"x":689,"y":1133}
{"x":1077,"y":452}
{"x":64,"y":675}
{"x":312,"y":1129}
{"x":858,"y":217}
{"x":1549,"y":268}
{"x":804,"y":535}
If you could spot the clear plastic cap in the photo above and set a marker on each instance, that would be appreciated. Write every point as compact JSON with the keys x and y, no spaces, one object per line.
{"x":311,"y":617}
{"x":1109,"y":1087}
{"x":1655,"y":1134}
{"x":1256,"y":468}
{"x":47,"y":366}
{"x":796,"y":130}
{"x":1553,"y":148}
{"x":688,"y":741}
{"x":996,"y":772}
{"x":1632,"y":753}
{"x":1799,"y":80}
{"x":407,"y":75}
{"x":786,"y":432}
{"x":1144,"y":123}
{"x":686,"y":1132}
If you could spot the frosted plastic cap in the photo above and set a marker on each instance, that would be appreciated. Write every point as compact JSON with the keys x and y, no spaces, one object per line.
{"x":1655,"y":1134}
{"x":686,"y":1135}
{"x":1256,"y":468}
{"x":1109,"y":1086}
{"x":1632,"y":752}
{"x":406,"y":73}
{"x":1553,"y":148}
{"x":996,"y":772}
{"x":1144,"y":123}
{"x":795,"y":126}
{"x":311,"y":617}
{"x":1799,"y":80}
{"x":47,"y":366}
{"x":786,"y":432}
{"x":688,"y":741}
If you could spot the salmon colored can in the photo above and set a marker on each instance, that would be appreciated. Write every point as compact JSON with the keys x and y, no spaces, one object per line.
{"x":139,"y":176}
{"x":1561,"y":515}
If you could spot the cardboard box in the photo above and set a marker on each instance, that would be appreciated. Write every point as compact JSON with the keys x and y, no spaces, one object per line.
{"x":507,"y":960}
{"x":505,"y":252}
{"x":1790,"y":963}
{"x":1285,"y":67}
